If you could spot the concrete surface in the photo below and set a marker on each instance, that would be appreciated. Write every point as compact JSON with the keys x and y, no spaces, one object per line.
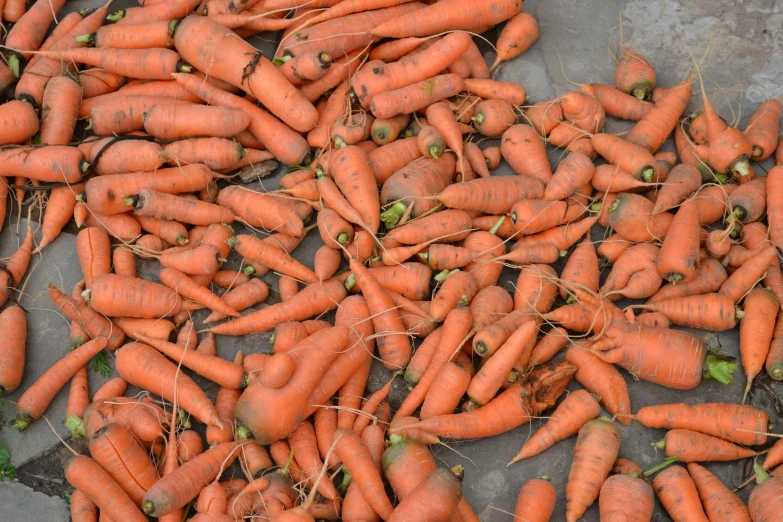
{"x":744,"y":67}
{"x":19,"y":499}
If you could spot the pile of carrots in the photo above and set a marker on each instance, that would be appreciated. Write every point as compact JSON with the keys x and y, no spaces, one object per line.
{"x":380,"y":110}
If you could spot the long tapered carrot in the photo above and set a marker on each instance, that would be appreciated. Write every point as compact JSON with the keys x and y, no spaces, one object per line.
{"x":145,"y":367}
{"x":257,"y":251}
{"x":691,"y":446}
{"x":37,"y":398}
{"x":95,"y":324}
{"x":181,"y":486}
{"x":677,"y":492}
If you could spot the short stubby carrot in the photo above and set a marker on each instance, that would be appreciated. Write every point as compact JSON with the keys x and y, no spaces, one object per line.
{"x":720,"y":503}
{"x":624,"y":497}
{"x":524,"y":150}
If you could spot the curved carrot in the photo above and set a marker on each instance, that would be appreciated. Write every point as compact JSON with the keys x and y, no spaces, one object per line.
{"x":90,"y":478}
{"x":146,"y":368}
{"x":602,"y":379}
{"x":655,"y":126}
{"x":677,"y":492}
{"x":756,"y":332}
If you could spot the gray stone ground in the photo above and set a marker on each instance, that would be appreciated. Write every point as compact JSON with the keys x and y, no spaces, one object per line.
{"x":743,"y":68}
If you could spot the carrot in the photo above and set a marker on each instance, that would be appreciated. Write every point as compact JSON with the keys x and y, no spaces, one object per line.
{"x":627,"y":156}
{"x":156,"y":328}
{"x":447,"y":257}
{"x":37,"y":398}
{"x":495,"y":195}
{"x":519,"y":33}
{"x":126,"y":461}
{"x":52,"y":163}
{"x":177,"y":488}
{"x":113,"y":388}
{"x":150,"y":203}
{"x":618,"y":104}
{"x":95,"y":324}
{"x":115,"y":295}
{"x":261,"y":210}
{"x":369,"y":82}
{"x":655,"y":126}
{"x":635,"y":75}
{"x":745,"y":277}
{"x":288,"y":146}
{"x":682,"y":181}
{"x":572,"y":173}
{"x":611,"y":248}
{"x":93,"y":249}
{"x":515,"y":351}
{"x":511,"y":93}
{"x":389,"y":158}
{"x":411,"y":98}
{"x":302,"y":393}
{"x":581,"y":270}
{"x":141,"y":417}
{"x":522,"y":141}
{"x":630,"y":215}
{"x":157,"y":373}
{"x":136,"y":36}
{"x":603,"y":380}
{"x":97,"y":485}
{"x":678,"y":259}
{"x":97,"y":82}
{"x":595,"y":451}
{"x":562,"y":237}
{"x":493,"y":117}
{"x":59,"y":110}
{"x":614,"y":501}
{"x":748,"y":201}
{"x":431,"y":142}
{"x":709,"y":278}
{"x":548,"y":346}
{"x":756,"y":332}
{"x":358,"y":460}
{"x":764,"y":502}
{"x":731,"y":422}
{"x":691,"y":446}
{"x":59,"y":210}
{"x":583,"y":110}
{"x":206,"y":44}
{"x":578,"y":408}
{"x":720,"y":503}
{"x":173,"y":121}
{"x":257,"y":251}
{"x":510,"y":409}
{"x":763,"y":129}
{"x":82,"y":508}
{"x":435,"y":497}
{"x":677,"y":492}
{"x":536,"y":499}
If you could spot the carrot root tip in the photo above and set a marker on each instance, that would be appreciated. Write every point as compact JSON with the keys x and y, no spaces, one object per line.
{"x":75,"y":425}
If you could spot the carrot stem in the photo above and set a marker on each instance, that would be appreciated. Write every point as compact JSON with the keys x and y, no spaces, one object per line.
{"x":667,"y":462}
{"x":75,"y":425}
{"x":719,"y":369}
{"x":116,"y":16}
{"x":761,"y":473}
{"x":392,"y":215}
{"x":496,"y":226}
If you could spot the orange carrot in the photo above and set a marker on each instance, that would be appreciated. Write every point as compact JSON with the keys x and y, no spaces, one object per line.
{"x":655,"y":126}
{"x":522,"y":141}
{"x":720,"y":503}
{"x":536,"y":500}
{"x":33,"y":403}
{"x":406,"y":100}
{"x":616,"y":491}
{"x":595,"y":452}
{"x":756,"y":332}
{"x":97,"y":485}
{"x":763,"y":129}
{"x":677,"y":492}
{"x":602,"y":379}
